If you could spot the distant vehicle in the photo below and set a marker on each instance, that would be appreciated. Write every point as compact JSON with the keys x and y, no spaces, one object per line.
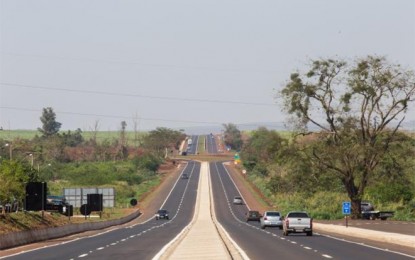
{"x":298,"y":222}
{"x":369,"y":212}
{"x":189,"y":141}
{"x":184,"y":153}
{"x":271,"y":219}
{"x":162,"y":214}
{"x":185,"y":176}
{"x":253,"y":215}
{"x":237,"y":200}
{"x":56,"y":203}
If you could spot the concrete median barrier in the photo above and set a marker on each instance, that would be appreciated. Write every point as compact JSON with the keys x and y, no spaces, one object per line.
{"x":30,"y":236}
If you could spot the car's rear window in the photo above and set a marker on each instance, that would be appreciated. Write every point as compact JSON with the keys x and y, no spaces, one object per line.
{"x":298,"y":215}
{"x":275,"y":214}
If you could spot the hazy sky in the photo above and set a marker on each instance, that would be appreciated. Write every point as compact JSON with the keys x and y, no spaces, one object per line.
{"x":179,"y":63}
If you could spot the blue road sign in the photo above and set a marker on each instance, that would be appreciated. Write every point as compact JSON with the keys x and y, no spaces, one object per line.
{"x":346,"y":208}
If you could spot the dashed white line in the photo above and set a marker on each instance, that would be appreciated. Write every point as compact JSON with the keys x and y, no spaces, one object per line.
{"x":327,"y":256}
{"x":83,"y":255}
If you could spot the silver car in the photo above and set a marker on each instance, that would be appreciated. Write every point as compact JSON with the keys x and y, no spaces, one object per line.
{"x":271,"y":219}
{"x":237,"y":200}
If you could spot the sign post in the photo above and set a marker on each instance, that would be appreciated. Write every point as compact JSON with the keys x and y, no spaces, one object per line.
{"x":346,"y":208}
{"x":237,"y":158}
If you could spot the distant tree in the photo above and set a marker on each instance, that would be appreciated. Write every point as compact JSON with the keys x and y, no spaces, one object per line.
{"x":73,"y":139}
{"x":262,"y":147}
{"x":358,"y":110}
{"x":95,"y":131}
{"x":161,"y":139}
{"x":123,"y":140}
{"x":50,"y":126}
{"x":136,"y":133}
{"x":233,"y":137}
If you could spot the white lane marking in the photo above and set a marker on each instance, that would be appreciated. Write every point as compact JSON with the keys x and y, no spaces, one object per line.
{"x":233,"y":214}
{"x":82,"y":255}
{"x":327,"y":256}
{"x":308,"y":248}
{"x":373,"y":247}
{"x":100,"y":248}
{"x":186,"y":228}
{"x":219,"y":226}
{"x":230,"y":177}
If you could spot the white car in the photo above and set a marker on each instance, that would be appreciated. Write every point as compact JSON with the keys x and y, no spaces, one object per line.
{"x":237,"y":200}
{"x":271,"y":219}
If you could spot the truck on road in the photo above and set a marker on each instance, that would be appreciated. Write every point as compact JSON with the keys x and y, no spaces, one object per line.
{"x":297,"y":222}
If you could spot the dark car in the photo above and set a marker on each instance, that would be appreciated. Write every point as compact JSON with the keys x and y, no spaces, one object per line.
{"x":253,"y":215}
{"x":162,"y":214}
{"x":185,"y":176}
{"x":56,"y":203}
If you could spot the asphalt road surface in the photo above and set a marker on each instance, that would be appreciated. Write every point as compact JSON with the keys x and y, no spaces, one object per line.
{"x":211,"y":146}
{"x":192,"y":149}
{"x":270,"y":243}
{"x":141,"y":241}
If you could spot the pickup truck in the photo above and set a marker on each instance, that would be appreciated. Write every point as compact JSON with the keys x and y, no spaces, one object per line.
{"x":369,"y":212}
{"x":297,"y":222}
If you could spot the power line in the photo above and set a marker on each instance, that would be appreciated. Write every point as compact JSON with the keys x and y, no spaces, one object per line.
{"x":110,"y":116}
{"x":134,"y":95}
{"x":130,"y":117}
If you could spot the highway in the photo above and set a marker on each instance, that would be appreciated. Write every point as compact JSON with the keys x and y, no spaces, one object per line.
{"x":142,"y":241}
{"x":211,"y":146}
{"x":192,"y":149}
{"x":145,"y":240}
{"x":270,"y":243}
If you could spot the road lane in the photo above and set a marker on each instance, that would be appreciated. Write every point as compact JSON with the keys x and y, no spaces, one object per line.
{"x":141,"y":241}
{"x":269,"y":243}
{"x":202,"y":240}
{"x":211,"y":144}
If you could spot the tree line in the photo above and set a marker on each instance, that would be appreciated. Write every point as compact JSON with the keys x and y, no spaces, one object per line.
{"x":355,"y":112}
{"x":48,"y":154}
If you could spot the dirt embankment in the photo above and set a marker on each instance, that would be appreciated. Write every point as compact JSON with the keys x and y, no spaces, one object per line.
{"x":21,"y":221}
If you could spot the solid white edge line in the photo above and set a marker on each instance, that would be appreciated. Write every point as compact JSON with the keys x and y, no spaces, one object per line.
{"x":152,"y":217}
{"x":185,"y":229}
{"x":216,"y":222}
{"x":365,"y":245}
{"x":236,"y":186}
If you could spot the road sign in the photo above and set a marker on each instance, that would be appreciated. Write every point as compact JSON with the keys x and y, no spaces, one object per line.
{"x":346,"y":208}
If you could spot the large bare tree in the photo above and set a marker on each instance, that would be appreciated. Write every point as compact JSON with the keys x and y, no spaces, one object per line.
{"x":357,"y":109}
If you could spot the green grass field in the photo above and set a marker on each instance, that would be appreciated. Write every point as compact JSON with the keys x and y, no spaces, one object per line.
{"x":100,"y":136}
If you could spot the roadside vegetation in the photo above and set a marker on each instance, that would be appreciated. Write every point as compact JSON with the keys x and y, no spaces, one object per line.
{"x":69,"y":160}
{"x":345,"y":145}
{"x":355,"y":150}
